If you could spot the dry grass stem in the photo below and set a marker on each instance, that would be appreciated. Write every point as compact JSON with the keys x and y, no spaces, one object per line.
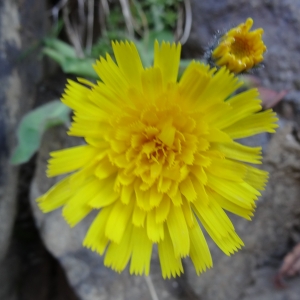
{"x":81,"y":25}
{"x":151,"y":288}
{"x":90,"y":26}
{"x":54,"y":11}
{"x":72,"y":33}
{"x":127,"y":16}
{"x":188,"y":22}
{"x":105,"y":7}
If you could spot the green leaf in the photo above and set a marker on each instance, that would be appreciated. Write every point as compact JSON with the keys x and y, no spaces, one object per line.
{"x":146,"y":53}
{"x":56,"y":28}
{"x":63,"y":48}
{"x":34,"y":124}
{"x":80,"y":67}
{"x":65,"y":56}
{"x":161,"y":36}
{"x":157,"y":15}
{"x":72,"y":65}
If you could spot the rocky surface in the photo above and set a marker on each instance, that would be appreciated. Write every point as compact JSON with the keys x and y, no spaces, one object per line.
{"x":17,"y":80}
{"x":84,"y":268}
{"x":249,"y":274}
{"x":280,"y":20}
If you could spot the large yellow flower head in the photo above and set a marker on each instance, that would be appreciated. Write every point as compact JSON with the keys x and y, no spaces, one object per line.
{"x":160,"y":163}
{"x":240,"y":49}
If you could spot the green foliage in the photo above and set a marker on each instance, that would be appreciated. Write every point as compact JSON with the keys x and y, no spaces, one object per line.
{"x":153,"y":20}
{"x":160,"y":14}
{"x":103,"y":44}
{"x":34,"y":124}
{"x":145,"y":46}
{"x":65,"y":56}
{"x":115,"y":19}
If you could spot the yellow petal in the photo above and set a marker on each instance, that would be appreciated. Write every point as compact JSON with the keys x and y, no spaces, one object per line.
{"x":152,"y":83}
{"x":226,"y":82}
{"x":141,"y":252}
{"x":131,"y":68}
{"x":179,"y":233}
{"x":138,"y":217}
{"x":126,"y":194}
{"x":234,"y":208}
{"x":95,"y":238}
{"x":194,"y":80}
{"x":188,"y":214}
{"x":77,"y":207}
{"x":88,"y":129}
{"x":227,"y":169}
{"x":112,"y":76}
{"x":217,"y":136}
{"x":142,"y":198}
{"x":155,"y":231}
{"x":187,"y":189}
{"x":200,"y":190}
{"x":118,"y":255}
{"x":219,"y":226}
{"x":170,"y":263}
{"x":242,"y":105}
{"x":228,"y":243}
{"x":78,"y":178}
{"x":162,"y":211}
{"x":117,"y":221}
{"x":105,"y":194}
{"x":237,"y":192}
{"x":199,"y":253}
{"x":167,"y":135}
{"x":68,"y":160}
{"x":155,"y":197}
{"x":253,"y":124}
{"x":176,"y":198}
{"x":105,"y":169}
{"x":56,"y":197}
{"x":167,"y":59}
{"x":256,"y":178}
{"x":239,"y":152}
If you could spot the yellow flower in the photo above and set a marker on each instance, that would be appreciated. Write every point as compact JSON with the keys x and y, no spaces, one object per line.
{"x":160,"y":160}
{"x":239,"y":49}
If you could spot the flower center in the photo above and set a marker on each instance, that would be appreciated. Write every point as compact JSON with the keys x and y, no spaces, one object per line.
{"x":155,"y":147}
{"x":240,"y":47}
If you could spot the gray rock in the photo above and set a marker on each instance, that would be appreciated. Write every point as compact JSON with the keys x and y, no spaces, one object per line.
{"x":280,"y":20}
{"x":16,"y":97}
{"x":84,"y":268}
{"x":9,"y":100}
{"x":249,"y":274}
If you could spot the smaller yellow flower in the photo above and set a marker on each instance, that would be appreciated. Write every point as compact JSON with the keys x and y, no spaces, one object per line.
{"x":239,"y":49}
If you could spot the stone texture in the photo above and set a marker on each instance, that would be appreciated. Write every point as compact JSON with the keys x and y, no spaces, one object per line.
{"x":10,"y":79}
{"x":84,"y":268}
{"x":250,"y":273}
{"x":280,"y":20}
{"x":17,"y":79}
